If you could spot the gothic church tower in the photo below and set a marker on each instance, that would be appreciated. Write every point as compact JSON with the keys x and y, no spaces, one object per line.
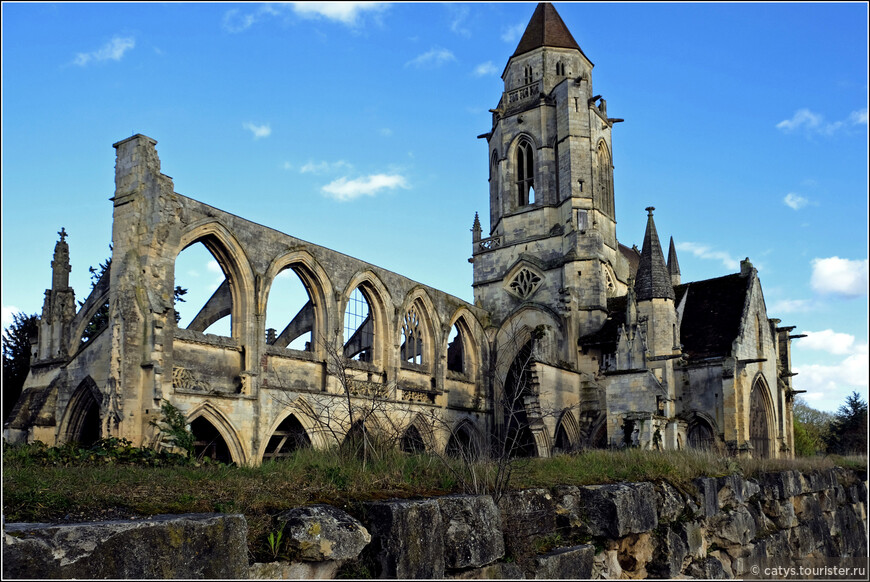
{"x":552,"y":226}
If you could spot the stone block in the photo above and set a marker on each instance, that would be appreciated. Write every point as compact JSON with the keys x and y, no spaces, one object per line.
{"x":317,"y":533}
{"x":781,"y":485}
{"x":708,"y":491}
{"x":497,"y":571}
{"x":694,"y":534}
{"x":472,"y":531}
{"x":526,"y":516}
{"x":818,"y":481}
{"x":293,"y":570}
{"x":670,"y":503}
{"x":177,"y":546}
{"x":780,"y":512}
{"x":708,"y":568}
{"x":574,"y":563}
{"x":612,"y":510}
{"x":407,"y":539}
{"x":670,"y":551}
{"x":851,"y":530}
{"x":736,"y":527}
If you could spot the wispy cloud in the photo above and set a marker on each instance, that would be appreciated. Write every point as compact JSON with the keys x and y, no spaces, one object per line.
{"x":513,"y":33}
{"x":8,"y":312}
{"x":259,"y":131}
{"x":348,"y":13}
{"x":485,"y":69}
{"x":431,"y":59}
{"x":324,"y":167}
{"x":344,"y":189}
{"x":830,"y":341}
{"x":703,"y":251}
{"x":111,"y":51}
{"x":813,"y":123}
{"x":791,"y":306}
{"x":836,"y":276}
{"x":795,"y":201}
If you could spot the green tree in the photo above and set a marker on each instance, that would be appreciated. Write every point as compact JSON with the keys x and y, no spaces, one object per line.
{"x":811,"y":428}
{"x":848,"y":434}
{"x":16,"y":357}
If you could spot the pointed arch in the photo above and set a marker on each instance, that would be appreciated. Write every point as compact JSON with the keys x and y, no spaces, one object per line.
{"x":605,"y":180}
{"x":223,"y":427}
{"x":701,"y":430}
{"x":367,"y":342}
{"x":318,"y":286}
{"x":761,"y":419}
{"x":525,"y":166}
{"x":287,"y":437}
{"x":469,"y":346}
{"x":81,"y":421}
{"x":567,"y":435}
{"x":418,"y":330}
{"x":234,"y":263}
{"x":465,"y":442}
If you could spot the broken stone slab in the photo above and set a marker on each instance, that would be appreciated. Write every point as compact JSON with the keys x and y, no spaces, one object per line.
{"x":170,"y":546}
{"x":574,"y":563}
{"x":612,"y":511}
{"x":736,"y":527}
{"x":670,"y":551}
{"x":472,"y":531}
{"x":407,"y":538}
{"x":670,"y":503}
{"x":526,"y":516}
{"x":708,"y":491}
{"x":317,"y":533}
{"x":708,"y":568}
{"x":781,"y":485}
{"x":497,"y":571}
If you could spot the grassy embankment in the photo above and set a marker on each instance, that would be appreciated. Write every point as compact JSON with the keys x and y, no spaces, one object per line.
{"x":67,"y":484}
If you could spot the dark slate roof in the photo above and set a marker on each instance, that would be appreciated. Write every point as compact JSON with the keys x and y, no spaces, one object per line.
{"x":632,"y":255}
{"x":653,"y":279}
{"x":606,"y":337}
{"x":711,"y":319}
{"x":546,"y":29}
{"x":673,"y":263}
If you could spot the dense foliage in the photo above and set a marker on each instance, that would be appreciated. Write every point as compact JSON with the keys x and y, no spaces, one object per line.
{"x":848,"y":429}
{"x":16,"y":357}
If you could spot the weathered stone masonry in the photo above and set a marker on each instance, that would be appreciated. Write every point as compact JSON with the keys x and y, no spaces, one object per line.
{"x":574,"y":340}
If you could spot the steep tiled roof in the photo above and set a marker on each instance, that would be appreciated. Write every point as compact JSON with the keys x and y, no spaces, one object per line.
{"x":653,"y":279}
{"x":546,"y":29}
{"x":712,"y":315}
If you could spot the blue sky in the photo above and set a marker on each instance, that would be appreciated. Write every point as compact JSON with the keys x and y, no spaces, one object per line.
{"x":354,"y":126}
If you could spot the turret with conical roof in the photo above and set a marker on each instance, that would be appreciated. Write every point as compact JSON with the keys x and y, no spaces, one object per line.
{"x":653,"y":277}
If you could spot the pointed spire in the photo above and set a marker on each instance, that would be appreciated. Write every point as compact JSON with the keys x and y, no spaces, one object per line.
{"x":653,"y":279}
{"x":673,"y":264}
{"x":546,"y":29}
{"x":60,"y":266}
{"x":475,"y":228}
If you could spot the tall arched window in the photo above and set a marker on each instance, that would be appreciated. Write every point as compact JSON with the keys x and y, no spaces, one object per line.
{"x":527,"y":74}
{"x":359,"y":327}
{"x":759,"y":422}
{"x":525,"y":173}
{"x":412,"y":337}
{"x":605,"y":169}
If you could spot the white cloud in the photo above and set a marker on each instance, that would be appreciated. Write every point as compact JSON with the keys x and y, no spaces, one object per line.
{"x":344,"y":189}
{"x":111,"y":51}
{"x":457,"y":23}
{"x":836,"y":276}
{"x":829,"y":341}
{"x":485,"y":69}
{"x":344,"y":12}
{"x":433,"y":58}
{"x":258,"y":130}
{"x":791,"y":306}
{"x":705,"y":252}
{"x":323,"y":167}
{"x":513,"y":33}
{"x":795,"y":201}
{"x":833,"y":382}
{"x":814,"y":123}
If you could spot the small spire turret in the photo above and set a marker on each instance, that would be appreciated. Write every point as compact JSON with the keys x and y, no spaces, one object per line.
{"x":673,"y":264}
{"x":653,"y":278}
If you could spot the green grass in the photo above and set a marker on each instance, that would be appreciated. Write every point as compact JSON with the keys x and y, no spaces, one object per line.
{"x":41,"y":484}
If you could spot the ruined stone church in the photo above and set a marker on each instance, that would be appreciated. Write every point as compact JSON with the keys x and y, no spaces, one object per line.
{"x":573,"y":340}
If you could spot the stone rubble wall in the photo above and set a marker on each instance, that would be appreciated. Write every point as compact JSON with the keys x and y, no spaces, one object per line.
{"x":718,"y":529}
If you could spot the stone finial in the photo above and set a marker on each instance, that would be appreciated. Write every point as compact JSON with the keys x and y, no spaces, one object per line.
{"x":60,"y":266}
{"x":746,"y":267}
{"x":475,"y":228}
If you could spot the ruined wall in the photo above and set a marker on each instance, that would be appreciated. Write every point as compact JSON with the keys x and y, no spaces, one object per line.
{"x":725,"y":527}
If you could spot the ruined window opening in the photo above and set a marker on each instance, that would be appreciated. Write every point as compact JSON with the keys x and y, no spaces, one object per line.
{"x":290,"y":313}
{"x":519,"y":441}
{"x":525,"y":174}
{"x":412,"y":441}
{"x":208,"y":442}
{"x":759,"y":424}
{"x":412,"y":337}
{"x":358,"y":327}
{"x":562,"y":443}
{"x":208,"y":304}
{"x":98,"y":322}
{"x":605,"y":170}
{"x":456,"y":350}
{"x":462,"y":444}
{"x":84,"y":426}
{"x":287,"y":438}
